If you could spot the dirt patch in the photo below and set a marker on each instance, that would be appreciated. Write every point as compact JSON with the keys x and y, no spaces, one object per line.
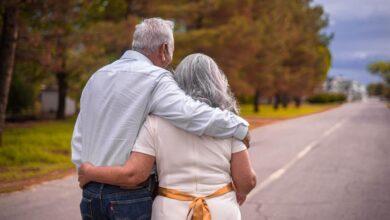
{"x":6,"y":187}
{"x":3,"y":169}
{"x":30,"y":169}
{"x":61,"y":151}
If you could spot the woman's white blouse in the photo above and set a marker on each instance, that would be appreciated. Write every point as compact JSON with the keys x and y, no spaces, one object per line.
{"x":198,"y":165}
{"x":187,"y":162}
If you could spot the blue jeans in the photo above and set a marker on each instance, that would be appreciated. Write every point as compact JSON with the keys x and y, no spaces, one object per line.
{"x":103,"y":201}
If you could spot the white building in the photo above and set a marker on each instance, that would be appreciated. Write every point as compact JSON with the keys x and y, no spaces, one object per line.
{"x":351,"y":88}
{"x":49,"y":103}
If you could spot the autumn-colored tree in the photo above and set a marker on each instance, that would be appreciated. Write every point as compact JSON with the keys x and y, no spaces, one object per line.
{"x":309,"y":58}
{"x":265,"y":65}
{"x":107,"y":28}
{"x":54,"y":22}
{"x":292,"y":59}
{"x":220,"y":29}
{"x":268,"y":49}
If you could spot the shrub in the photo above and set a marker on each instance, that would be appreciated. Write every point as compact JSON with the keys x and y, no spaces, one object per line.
{"x":21,"y":96}
{"x":327,"y":98}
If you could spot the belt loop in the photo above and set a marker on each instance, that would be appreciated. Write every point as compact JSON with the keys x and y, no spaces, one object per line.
{"x":150,"y":183}
{"x":101,"y":190}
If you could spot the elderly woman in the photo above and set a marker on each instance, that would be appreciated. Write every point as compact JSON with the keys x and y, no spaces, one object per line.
{"x":199,"y":176}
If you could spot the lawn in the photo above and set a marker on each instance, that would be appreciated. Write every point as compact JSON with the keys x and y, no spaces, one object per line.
{"x":35,"y":150}
{"x":267,"y":111}
{"x":268,"y":115}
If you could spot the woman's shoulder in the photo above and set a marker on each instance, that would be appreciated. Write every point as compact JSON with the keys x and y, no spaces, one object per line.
{"x":153,"y":119}
{"x":156,"y":122}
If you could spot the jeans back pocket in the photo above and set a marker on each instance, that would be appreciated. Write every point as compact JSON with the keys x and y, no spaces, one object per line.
{"x":86,"y":208}
{"x":134,"y":209}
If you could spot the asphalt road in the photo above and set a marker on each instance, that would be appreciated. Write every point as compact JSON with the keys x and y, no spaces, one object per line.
{"x":331,"y":165}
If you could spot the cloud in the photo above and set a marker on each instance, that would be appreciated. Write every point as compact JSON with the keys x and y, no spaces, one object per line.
{"x":355,"y":74}
{"x":362,"y":35}
{"x":341,"y":10}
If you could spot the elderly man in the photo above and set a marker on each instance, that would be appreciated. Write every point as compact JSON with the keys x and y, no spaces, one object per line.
{"x":113,"y":107}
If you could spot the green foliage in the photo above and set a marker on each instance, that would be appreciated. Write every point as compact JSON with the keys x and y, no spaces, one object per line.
{"x":381,"y":68}
{"x":24,"y":88}
{"x":327,"y":98}
{"x":21,"y":97}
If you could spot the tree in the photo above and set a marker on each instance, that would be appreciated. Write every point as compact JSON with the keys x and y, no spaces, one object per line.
{"x":267,"y":48}
{"x":376,"y":89}
{"x":381,"y":68}
{"x":309,"y":57}
{"x":8,"y":42}
{"x":95,"y":47}
{"x":56,"y":21}
{"x":306,"y":58}
{"x":220,"y":29}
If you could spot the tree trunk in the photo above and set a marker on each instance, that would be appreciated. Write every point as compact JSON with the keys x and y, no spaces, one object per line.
{"x":9,"y":37}
{"x":256,"y":101}
{"x":276,"y":101}
{"x":285,"y":100}
{"x":269,"y":100}
{"x":62,"y":92}
{"x":298,"y":102}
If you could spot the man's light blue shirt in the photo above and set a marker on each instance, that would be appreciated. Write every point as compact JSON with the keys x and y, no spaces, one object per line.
{"x":117,"y":99}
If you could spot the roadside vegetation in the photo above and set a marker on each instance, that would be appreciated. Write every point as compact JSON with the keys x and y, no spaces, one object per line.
{"x":34,"y":150}
{"x":380,"y":89}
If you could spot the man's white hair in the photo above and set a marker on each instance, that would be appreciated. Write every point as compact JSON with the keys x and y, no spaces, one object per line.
{"x":151,"y":33}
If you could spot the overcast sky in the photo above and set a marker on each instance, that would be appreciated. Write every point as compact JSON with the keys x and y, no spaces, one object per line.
{"x":361,"y":35}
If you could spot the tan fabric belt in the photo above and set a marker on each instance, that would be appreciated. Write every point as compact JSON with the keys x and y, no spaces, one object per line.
{"x":199,"y":208}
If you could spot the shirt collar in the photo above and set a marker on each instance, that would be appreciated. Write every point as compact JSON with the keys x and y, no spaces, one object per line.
{"x":131,"y":54}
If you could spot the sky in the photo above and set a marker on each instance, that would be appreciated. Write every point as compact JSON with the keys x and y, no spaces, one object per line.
{"x":361,"y":31}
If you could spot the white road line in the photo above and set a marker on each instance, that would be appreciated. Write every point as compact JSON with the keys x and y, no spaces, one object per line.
{"x":280,"y":172}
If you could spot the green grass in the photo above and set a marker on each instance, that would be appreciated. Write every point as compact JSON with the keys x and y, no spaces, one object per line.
{"x":267,"y":111}
{"x":35,"y":149}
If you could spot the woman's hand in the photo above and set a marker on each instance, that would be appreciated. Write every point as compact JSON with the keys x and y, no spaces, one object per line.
{"x":240,"y":198}
{"x":83,"y":174}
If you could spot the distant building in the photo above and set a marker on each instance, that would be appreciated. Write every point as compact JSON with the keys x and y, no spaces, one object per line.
{"x":49,"y":103}
{"x":351,"y":88}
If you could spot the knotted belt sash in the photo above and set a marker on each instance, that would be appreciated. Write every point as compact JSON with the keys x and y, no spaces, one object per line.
{"x":198,"y":206}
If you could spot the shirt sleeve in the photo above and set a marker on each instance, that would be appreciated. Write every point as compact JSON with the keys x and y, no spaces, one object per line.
{"x":77,"y":142}
{"x":237,"y":146}
{"x":171,"y":103}
{"x":145,"y":142}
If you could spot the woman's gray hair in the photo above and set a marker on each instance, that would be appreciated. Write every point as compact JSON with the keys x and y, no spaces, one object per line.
{"x":151,"y":33}
{"x":199,"y":76}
